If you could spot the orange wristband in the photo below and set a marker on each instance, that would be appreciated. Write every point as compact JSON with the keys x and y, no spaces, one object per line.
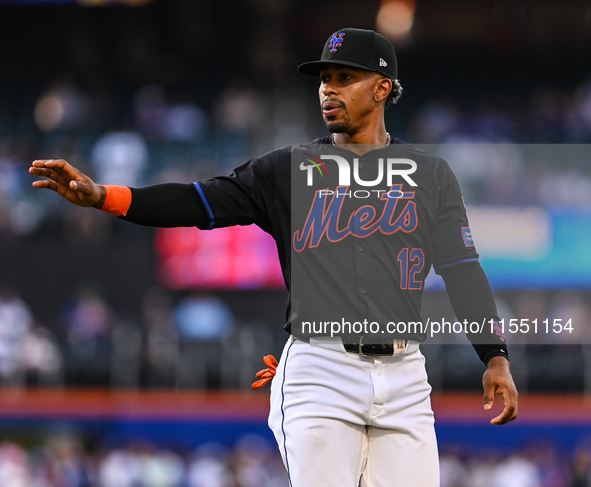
{"x":117,"y":201}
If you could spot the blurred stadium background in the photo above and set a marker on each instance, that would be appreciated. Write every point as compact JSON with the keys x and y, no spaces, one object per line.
{"x":126,"y":354}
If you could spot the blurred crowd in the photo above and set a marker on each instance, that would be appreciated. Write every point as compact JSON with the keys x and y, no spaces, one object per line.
{"x":65,"y":461}
{"x":548,"y":115}
{"x":541,"y":465}
{"x":195,"y":342}
{"x":26,"y":348}
{"x":163,"y":139}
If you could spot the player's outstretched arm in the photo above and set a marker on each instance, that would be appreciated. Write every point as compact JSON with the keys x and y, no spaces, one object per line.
{"x":498,"y":380}
{"x":68,"y":182}
{"x":161,"y":205}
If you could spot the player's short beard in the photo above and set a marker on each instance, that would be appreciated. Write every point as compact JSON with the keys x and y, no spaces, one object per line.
{"x":339,"y":126}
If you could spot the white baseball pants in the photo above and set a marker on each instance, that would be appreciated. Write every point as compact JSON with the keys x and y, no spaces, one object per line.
{"x":344,"y":420}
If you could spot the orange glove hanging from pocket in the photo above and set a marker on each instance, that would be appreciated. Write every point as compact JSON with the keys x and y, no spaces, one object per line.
{"x":268,"y":373}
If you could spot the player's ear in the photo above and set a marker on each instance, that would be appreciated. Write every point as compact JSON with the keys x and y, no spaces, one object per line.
{"x":382,"y":89}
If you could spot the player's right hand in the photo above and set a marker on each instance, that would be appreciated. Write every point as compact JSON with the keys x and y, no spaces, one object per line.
{"x":68,"y":182}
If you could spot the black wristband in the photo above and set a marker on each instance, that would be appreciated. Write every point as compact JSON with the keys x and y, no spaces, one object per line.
{"x":487,"y":352}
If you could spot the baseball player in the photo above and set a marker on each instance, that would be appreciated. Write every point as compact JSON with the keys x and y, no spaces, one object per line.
{"x":352,"y":408}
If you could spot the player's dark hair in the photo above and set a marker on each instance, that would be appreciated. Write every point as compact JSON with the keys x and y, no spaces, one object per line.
{"x":395,"y":94}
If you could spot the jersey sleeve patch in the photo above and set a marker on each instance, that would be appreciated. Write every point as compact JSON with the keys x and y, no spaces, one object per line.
{"x":467,"y":235}
{"x":207,"y":206}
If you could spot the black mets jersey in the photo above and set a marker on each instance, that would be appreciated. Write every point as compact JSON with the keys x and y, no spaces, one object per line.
{"x":356,"y":234}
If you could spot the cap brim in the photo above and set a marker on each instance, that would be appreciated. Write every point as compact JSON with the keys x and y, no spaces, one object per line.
{"x":313,"y":68}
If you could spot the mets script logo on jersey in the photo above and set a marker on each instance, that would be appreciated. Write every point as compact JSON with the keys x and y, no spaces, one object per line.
{"x":336,"y":41}
{"x":393,"y":167}
{"x":323,"y":218}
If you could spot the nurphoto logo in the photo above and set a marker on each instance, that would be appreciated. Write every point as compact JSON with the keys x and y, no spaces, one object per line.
{"x":392,"y":167}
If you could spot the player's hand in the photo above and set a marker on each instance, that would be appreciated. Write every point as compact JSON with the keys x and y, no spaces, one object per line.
{"x":498,"y":380}
{"x":68,"y":182}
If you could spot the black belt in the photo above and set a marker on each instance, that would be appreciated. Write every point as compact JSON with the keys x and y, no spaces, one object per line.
{"x":370,"y":350}
{"x":365,"y":349}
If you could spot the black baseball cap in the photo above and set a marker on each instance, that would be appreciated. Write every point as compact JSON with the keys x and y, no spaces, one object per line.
{"x":357,"y":48}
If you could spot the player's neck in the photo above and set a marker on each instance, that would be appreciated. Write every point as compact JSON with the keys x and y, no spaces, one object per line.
{"x":362,"y":141}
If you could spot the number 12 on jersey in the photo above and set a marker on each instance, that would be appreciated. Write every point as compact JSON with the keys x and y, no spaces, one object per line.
{"x":411,"y":263}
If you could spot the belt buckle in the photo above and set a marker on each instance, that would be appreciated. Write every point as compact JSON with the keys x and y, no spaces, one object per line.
{"x":398,"y":348}
{"x":362,"y":353}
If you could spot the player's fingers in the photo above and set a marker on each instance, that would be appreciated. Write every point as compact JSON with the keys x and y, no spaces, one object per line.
{"x":489,"y":396}
{"x":39,"y":163}
{"x":60,"y":166}
{"x":49,"y":163}
{"x":509,"y":412}
{"x":47,"y":184}
{"x":44,"y":172}
{"x":37,"y":170}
